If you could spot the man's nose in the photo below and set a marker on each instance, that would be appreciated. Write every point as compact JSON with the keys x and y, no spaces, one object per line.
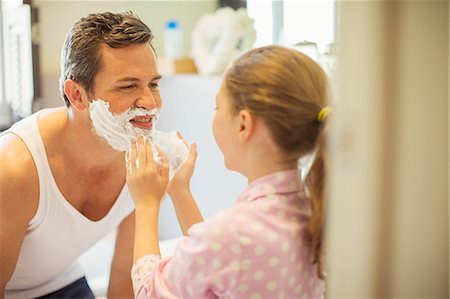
{"x":147,"y":100}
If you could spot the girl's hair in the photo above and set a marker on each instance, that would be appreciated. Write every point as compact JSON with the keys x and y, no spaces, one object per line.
{"x":81,"y":57}
{"x":287,"y":90}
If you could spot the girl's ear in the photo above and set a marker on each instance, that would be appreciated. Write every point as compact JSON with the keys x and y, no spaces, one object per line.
{"x":246,"y":125}
{"x":76,"y":94}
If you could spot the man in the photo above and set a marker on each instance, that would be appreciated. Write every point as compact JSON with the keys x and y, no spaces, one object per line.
{"x":62,"y":186}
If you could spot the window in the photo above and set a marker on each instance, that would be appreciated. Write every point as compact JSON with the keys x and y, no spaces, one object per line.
{"x":311,"y":21}
{"x":16,"y":66}
{"x":291,"y":22}
{"x":261,"y":12}
{"x":309,"y":26}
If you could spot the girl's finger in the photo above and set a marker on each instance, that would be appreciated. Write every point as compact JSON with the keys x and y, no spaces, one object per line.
{"x":132,"y":157}
{"x":164,"y":164}
{"x":127,"y":162}
{"x":149,"y":152}
{"x":141,"y":152}
{"x":182,"y":138}
{"x":192,"y":154}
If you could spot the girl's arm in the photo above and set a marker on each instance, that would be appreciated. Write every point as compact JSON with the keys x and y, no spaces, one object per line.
{"x":146,"y":232}
{"x":147,"y":182}
{"x":186,"y":209}
{"x":179,"y":190}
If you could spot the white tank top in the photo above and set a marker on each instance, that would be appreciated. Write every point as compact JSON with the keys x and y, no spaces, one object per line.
{"x":58,"y":233}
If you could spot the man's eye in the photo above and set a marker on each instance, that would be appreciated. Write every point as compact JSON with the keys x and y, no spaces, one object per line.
{"x":154,"y":86}
{"x":127,"y":87}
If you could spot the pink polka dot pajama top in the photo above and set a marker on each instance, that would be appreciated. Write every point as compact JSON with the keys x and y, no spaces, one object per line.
{"x":255,"y":249}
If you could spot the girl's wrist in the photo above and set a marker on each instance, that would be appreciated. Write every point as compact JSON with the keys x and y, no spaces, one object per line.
{"x":180,"y":193}
{"x":148,"y":205}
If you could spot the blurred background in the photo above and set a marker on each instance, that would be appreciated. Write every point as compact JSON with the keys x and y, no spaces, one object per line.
{"x":388,"y":63}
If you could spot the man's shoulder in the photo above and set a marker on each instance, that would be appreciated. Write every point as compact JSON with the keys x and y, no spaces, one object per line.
{"x":19,"y":189}
{"x":17,"y":169}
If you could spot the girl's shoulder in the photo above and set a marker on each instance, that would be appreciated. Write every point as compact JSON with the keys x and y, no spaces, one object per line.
{"x":263,"y":220}
{"x":223,"y":223}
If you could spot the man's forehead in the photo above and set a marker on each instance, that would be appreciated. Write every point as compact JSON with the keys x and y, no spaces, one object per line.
{"x":125,"y":48}
{"x":129,"y":63}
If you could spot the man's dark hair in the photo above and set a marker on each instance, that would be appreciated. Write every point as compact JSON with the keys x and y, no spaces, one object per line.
{"x":81,"y":55}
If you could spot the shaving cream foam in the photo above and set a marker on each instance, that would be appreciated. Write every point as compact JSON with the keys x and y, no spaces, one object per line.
{"x":118,"y":132}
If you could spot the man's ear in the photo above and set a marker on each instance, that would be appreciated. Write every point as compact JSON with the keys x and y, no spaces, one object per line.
{"x":246,"y":125}
{"x":76,"y":94}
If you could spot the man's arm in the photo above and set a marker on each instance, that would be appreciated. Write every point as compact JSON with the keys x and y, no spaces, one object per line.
{"x":120,"y":279}
{"x":19,"y":199}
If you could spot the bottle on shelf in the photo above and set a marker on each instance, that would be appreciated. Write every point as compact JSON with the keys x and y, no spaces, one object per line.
{"x":173,"y":43}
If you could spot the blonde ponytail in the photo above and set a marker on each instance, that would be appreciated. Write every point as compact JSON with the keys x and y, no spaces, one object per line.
{"x":316,"y":184}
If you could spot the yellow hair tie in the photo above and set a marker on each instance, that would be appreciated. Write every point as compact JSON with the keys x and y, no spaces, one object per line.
{"x":324,"y":113}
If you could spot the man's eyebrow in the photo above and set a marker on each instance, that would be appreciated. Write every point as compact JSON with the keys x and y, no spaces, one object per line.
{"x":134,"y":79}
{"x":127,"y":79}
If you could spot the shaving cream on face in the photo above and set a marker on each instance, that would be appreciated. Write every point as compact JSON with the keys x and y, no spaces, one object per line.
{"x":119,"y":133}
{"x":117,"y":129}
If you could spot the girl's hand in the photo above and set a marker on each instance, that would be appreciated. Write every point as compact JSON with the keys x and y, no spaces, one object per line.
{"x":182,"y":178}
{"x":146,"y":180}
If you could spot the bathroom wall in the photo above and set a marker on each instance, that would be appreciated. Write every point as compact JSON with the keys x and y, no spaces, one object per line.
{"x":188,"y":13}
{"x":56,"y":18}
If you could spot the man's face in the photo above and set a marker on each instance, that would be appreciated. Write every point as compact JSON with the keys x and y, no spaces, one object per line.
{"x":129,"y":79}
{"x":125,"y":99}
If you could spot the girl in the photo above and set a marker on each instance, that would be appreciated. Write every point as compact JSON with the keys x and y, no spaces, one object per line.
{"x":270,"y":112}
